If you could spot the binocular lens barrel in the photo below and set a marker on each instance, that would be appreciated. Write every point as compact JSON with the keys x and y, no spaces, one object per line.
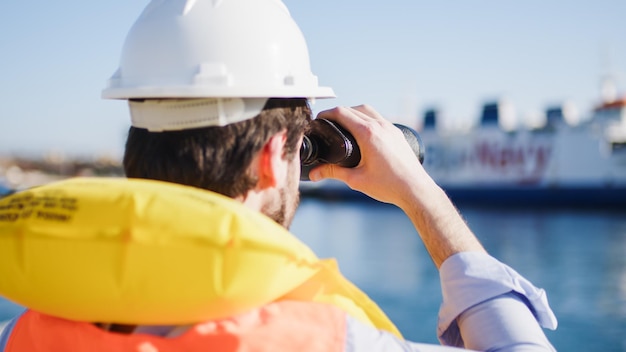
{"x":326,"y":142}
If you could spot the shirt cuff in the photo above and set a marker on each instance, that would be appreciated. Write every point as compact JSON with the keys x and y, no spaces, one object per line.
{"x":469,"y":278}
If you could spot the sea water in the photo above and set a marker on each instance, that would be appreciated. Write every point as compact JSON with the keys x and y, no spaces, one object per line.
{"x":577,"y":255}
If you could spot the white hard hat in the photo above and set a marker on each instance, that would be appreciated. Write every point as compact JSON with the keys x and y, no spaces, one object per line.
{"x":237,"y":53}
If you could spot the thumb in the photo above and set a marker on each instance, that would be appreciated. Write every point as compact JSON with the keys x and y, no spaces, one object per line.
{"x":328,"y":171}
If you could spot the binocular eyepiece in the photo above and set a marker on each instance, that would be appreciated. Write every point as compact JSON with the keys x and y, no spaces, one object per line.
{"x":326,"y":142}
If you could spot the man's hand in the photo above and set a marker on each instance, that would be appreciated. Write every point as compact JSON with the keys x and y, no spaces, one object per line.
{"x":390,"y":172}
{"x":388,"y":165}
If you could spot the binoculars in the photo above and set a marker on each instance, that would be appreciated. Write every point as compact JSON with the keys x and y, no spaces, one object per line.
{"x":326,"y":142}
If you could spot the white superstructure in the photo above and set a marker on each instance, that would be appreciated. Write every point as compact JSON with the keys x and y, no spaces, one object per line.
{"x":557,"y":160}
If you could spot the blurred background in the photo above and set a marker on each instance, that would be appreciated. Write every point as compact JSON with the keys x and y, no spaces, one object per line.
{"x":401,"y":57}
{"x":520,"y":105}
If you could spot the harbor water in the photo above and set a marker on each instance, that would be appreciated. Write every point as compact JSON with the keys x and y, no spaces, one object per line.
{"x":577,"y":255}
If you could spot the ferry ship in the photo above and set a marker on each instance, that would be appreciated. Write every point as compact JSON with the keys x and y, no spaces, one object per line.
{"x":556,"y":164}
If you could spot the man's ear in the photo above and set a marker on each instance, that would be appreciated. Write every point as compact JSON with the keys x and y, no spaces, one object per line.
{"x":272,"y":167}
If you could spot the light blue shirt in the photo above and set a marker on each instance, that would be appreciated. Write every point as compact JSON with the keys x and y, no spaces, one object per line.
{"x":485,"y":302}
{"x":486,"y":306}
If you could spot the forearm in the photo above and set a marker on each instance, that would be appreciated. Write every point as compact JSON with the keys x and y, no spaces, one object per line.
{"x":390,"y":172}
{"x":439,"y":224}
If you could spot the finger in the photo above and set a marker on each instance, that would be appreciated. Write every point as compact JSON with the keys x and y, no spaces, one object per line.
{"x":341,"y":113}
{"x":368,"y":111}
{"x":349,"y":117}
{"x":327,"y":171}
{"x":337,"y":113}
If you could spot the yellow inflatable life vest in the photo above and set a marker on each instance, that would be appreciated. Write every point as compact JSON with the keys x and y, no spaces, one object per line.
{"x":148,"y":252}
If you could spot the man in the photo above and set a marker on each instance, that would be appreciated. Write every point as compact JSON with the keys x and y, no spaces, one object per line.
{"x":388,"y":172}
{"x":218,"y":93}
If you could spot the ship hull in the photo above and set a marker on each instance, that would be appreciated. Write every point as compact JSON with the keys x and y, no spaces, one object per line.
{"x":578,"y":196}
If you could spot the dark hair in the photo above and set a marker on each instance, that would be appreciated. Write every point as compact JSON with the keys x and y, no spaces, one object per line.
{"x":215,"y":158}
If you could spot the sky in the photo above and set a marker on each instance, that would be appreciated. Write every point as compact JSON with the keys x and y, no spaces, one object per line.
{"x":399,"y":56}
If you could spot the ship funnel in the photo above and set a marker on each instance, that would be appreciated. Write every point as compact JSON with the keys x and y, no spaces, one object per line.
{"x":555,"y":117}
{"x":498,"y":114}
{"x":490,"y":115}
{"x":430,"y":119}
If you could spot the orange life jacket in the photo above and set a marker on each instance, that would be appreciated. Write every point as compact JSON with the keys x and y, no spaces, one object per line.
{"x":279,"y":326}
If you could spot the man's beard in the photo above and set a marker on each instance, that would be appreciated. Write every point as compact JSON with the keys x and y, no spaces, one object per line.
{"x":282,"y":207}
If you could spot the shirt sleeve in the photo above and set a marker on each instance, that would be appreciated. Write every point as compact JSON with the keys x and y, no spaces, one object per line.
{"x":475,"y":279}
{"x":363,"y":337}
{"x":5,"y":331}
{"x":488,"y":326}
